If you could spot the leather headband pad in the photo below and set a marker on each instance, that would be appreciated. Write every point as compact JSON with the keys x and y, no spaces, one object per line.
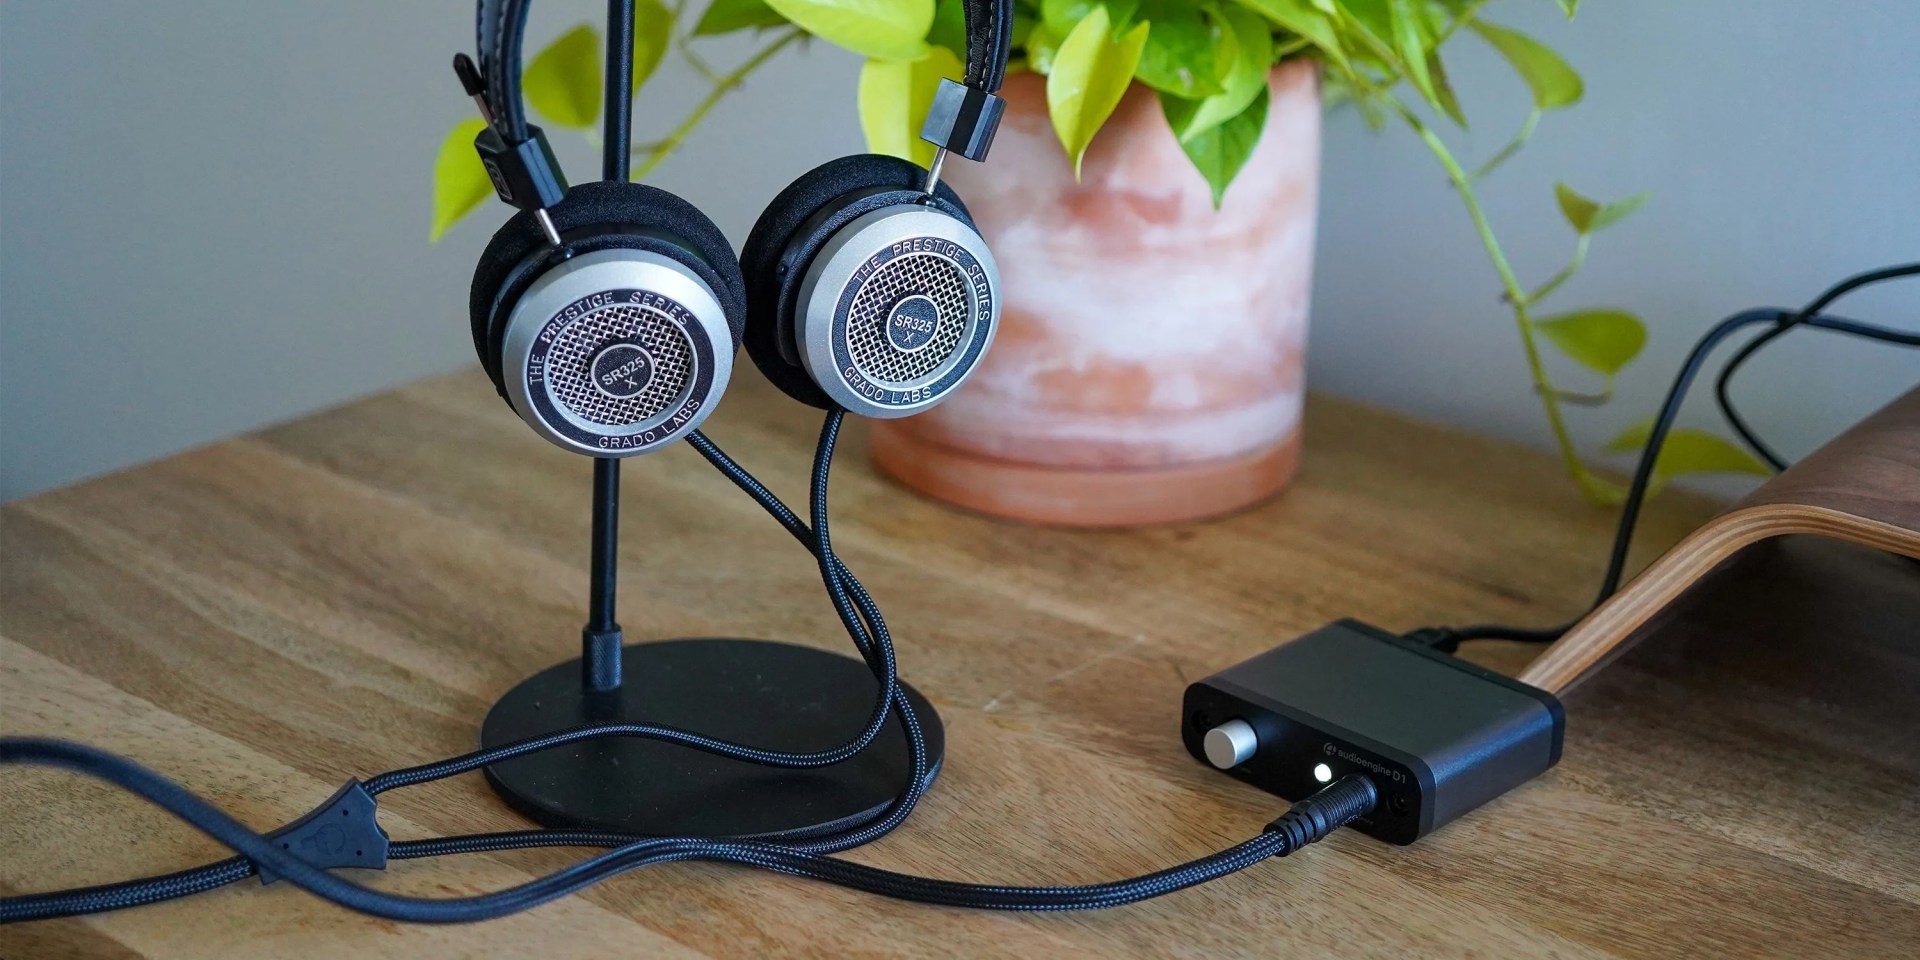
{"x":989,"y":42}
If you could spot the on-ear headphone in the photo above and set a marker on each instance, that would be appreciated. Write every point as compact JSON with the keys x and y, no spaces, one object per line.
{"x":607,"y":314}
{"x":868,"y":287}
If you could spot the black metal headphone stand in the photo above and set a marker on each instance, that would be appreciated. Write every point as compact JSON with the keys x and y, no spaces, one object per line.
{"x":776,"y":696}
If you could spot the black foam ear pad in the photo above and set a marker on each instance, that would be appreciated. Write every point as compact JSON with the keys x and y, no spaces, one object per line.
{"x":776,"y":256}
{"x":598,"y":216}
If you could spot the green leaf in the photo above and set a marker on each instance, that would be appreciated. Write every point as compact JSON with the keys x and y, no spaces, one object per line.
{"x":1569,"y":6}
{"x":1411,"y":44}
{"x":1042,"y":44}
{"x":1220,"y":152}
{"x":1601,"y":491}
{"x":1308,"y":19}
{"x":1061,"y":15}
{"x":1554,"y":84}
{"x":652,"y":35}
{"x":877,"y":29}
{"x":1181,"y":52}
{"x":1600,"y":340}
{"x":459,"y":178}
{"x":1090,"y":73}
{"x":1443,"y":93}
{"x":726,"y":16}
{"x":1587,"y":216}
{"x":563,"y":81}
{"x":894,"y":97}
{"x":1245,"y":79}
{"x":1688,"y":451}
{"x":949,"y":26}
{"x":1022,"y":27}
{"x":1373,"y":16}
{"x":1578,"y":210}
{"x":1612,"y":213}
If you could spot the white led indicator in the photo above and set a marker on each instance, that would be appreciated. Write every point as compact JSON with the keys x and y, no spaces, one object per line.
{"x":1322,"y":773}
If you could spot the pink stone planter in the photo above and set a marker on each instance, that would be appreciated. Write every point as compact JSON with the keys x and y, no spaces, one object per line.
{"x":1150,"y":362}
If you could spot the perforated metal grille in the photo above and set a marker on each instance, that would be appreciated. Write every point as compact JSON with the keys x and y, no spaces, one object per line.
{"x":570,"y":358}
{"x":930,"y":275}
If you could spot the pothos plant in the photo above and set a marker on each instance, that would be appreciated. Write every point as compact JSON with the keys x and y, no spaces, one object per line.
{"x":1208,"y":63}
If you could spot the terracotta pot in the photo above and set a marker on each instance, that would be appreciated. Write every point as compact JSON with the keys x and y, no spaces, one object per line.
{"x":1150,"y":362}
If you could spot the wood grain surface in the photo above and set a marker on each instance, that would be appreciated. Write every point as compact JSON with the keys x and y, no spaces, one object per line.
{"x":262,"y":618}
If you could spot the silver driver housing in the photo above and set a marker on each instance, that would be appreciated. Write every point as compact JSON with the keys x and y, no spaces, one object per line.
{"x":869,"y":267}
{"x":673,"y":300}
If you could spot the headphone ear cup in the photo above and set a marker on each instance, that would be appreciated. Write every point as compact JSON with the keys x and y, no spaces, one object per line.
{"x":602,"y":215}
{"x":623,"y":340}
{"x":791,"y":231}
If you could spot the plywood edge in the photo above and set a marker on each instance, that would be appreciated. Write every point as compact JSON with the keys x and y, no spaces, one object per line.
{"x":1601,"y":634}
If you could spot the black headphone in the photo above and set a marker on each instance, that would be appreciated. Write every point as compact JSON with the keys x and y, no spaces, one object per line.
{"x":607,"y":314}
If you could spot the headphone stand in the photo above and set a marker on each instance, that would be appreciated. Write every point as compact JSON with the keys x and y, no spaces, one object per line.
{"x":777,"y":696}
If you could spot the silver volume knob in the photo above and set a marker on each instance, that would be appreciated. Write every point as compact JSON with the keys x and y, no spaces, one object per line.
{"x":1230,"y":744}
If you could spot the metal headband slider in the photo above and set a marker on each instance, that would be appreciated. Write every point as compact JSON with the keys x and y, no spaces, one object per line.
{"x":524,"y":174}
{"x":963,"y":119}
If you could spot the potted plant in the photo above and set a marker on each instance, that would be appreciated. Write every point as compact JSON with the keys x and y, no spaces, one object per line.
{"x":1151,"y":200}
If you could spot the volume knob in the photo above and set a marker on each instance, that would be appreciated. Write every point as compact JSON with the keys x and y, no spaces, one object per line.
{"x":1230,"y":744}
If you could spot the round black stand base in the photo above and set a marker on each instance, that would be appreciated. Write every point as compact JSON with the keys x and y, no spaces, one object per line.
{"x":776,"y":696}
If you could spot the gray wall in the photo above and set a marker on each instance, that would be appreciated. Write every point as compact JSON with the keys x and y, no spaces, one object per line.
{"x":213,"y":214}
{"x":1782,"y":145}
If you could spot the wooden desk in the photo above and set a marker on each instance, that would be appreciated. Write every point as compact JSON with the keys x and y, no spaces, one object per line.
{"x":262,"y":618}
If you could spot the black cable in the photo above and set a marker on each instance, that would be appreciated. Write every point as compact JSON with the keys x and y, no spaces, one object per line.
{"x":1306,"y":822}
{"x":876,"y":649}
{"x":1448,"y":639}
{"x":1340,"y":803}
{"x":798,"y":859}
{"x":1857,"y":281}
{"x":866,"y":628}
{"x":126,"y":893}
{"x":1721,"y":385}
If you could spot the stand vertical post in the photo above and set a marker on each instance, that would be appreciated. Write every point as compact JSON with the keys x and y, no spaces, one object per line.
{"x":617,"y":132}
{"x":600,"y":640}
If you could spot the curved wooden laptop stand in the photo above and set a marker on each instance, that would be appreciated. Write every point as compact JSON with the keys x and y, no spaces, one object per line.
{"x":1863,"y":488}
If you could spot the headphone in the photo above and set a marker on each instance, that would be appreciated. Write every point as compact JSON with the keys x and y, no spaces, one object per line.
{"x":607,"y":314}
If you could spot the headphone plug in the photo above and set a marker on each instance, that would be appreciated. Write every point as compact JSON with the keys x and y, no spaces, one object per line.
{"x":1340,"y":803}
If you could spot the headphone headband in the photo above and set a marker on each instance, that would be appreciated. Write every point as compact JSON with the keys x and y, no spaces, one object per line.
{"x":499,"y":28}
{"x":501,"y":25}
{"x":989,"y":42}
